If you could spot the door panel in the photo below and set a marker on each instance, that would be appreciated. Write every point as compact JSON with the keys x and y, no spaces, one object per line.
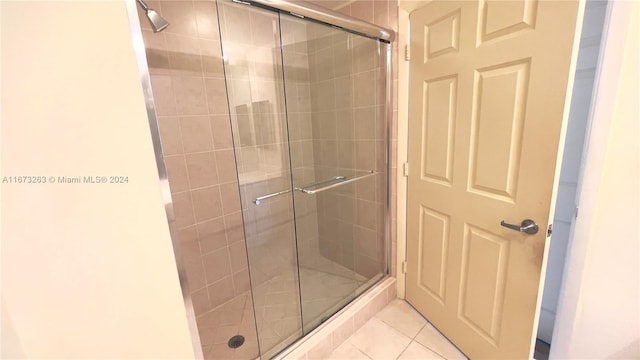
{"x":487,"y":91}
{"x":499,"y":103}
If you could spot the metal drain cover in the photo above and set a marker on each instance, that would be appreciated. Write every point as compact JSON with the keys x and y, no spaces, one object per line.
{"x":236,"y":341}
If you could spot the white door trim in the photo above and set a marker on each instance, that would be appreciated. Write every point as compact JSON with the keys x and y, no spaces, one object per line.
{"x":612,"y":90}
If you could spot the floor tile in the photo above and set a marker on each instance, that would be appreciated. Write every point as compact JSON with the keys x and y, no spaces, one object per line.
{"x":379,"y":340}
{"x":415,"y":351}
{"x":402,"y":317}
{"x":347,"y":351}
{"x":430,"y":337}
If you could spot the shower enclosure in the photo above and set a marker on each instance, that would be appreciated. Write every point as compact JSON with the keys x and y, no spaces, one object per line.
{"x":296,"y":99}
{"x":309,"y":120}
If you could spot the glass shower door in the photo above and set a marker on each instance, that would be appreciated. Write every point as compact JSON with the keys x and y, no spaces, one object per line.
{"x":308,"y":117}
{"x":253,"y":71}
{"x":335,"y":93}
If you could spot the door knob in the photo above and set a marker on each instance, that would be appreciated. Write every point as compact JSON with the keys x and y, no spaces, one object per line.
{"x":527,"y":226}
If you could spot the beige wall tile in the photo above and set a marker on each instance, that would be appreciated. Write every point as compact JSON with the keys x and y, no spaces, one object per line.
{"x":196,"y":134}
{"x":183,"y":209}
{"x":345,"y":125}
{"x":381,"y":12}
{"x":226,"y":163}
{"x":230,"y":197}
{"x":163,"y":95}
{"x":365,"y":188}
{"x":217,"y":266}
{"x":190,"y":95}
{"x":211,"y":58}
{"x":202,"y":169}
{"x":177,"y":173}
{"x":234,"y":227}
{"x":206,"y":203}
{"x":365,"y":123}
{"x":365,"y":55}
{"x":366,"y":266}
{"x":364,"y":239}
{"x":170,"y":135}
{"x":363,"y":10}
{"x":367,"y":215}
{"x":200,"y":300}
{"x":206,"y":19}
{"x":238,"y":255}
{"x":184,"y":55}
{"x":262,"y":27}
{"x":182,"y":17}
{"x":156,"y":50}
{"x":241,"y":281}
{"x":188,"y":234}
{"x":191,"y":257}
{"x":364,"y":91}
{"x":364,"y":159}
{"x":221,"y":131}
{"x":216,"y":96}
{"x":195,"y":274}
{"x":211,"y":235}
{"x":343,"y":93}
{"x":221,"y":291}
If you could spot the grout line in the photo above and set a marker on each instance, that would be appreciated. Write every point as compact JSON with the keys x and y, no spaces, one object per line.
{"x":403,"y":350}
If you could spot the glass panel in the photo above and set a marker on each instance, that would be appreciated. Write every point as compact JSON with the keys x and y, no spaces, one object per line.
{"x":253,"y":70}
{"x":309,"y":128}
{"x":335,"y":90}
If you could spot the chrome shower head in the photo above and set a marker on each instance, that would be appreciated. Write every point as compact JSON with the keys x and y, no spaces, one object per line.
{"x":158,"y":23}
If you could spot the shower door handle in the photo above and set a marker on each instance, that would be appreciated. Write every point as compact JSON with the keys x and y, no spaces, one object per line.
{"x":264,"y":197}
{"x":277,"y":193}
{"x":344,"y":181}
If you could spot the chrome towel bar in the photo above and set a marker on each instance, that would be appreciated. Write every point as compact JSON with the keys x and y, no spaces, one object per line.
{"x":342,"y":180}
{"x":263,"y":197}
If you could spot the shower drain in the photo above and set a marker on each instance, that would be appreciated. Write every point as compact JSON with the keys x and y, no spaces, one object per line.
{"x":236,"y":341}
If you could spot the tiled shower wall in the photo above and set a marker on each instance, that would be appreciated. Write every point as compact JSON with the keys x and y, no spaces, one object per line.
{"x":348,"y":91}
{"x":191,"y":102}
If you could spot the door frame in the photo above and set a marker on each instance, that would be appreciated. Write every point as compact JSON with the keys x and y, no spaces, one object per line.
{"x":612,"y":46}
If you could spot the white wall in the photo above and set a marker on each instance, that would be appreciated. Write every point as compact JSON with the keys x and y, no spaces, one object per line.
{"x":566,"y":202}
{"x":87,"y":270}
{"x":599,"y":310}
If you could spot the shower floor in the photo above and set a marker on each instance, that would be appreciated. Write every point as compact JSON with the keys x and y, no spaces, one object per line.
{"x":326,"y":287}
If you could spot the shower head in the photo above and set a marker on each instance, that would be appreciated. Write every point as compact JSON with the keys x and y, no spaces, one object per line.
{"x":158,"y":23}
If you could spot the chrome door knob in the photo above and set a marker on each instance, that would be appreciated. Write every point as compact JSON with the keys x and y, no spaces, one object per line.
{"x":527,"y":226}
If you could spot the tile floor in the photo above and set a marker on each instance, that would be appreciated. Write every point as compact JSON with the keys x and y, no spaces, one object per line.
{"x":397,"y":332}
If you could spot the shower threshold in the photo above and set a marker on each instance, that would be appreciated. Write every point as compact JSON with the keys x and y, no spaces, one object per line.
{"x":319,"y":320}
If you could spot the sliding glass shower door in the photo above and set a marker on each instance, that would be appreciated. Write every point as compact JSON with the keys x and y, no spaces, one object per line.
{"x":308,"y":115}
{"x":335,"y":92}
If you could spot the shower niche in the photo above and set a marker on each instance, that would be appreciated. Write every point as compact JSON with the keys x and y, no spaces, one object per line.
{"x":309,"y":121}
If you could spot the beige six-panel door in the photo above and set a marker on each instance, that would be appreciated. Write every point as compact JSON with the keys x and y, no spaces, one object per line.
{"x":488,"y":82}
